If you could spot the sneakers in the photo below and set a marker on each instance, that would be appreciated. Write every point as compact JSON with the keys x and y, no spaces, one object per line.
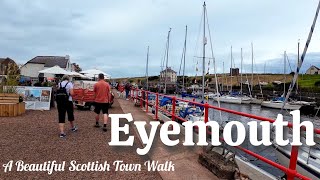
{"x":63,"y":135}
{"x":74,"y":129}
{"x":104,"y":129}
{"x":97,"y":125}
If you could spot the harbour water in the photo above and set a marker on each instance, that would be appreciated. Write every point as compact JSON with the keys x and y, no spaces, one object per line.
{"x":265,"y":151}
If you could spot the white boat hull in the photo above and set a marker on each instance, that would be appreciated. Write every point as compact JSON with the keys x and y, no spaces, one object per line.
{"x":278,"y":105}
{"x":303,"y":168}
{"x":228,"y":99}
{"x":256,"y":101}
{"x":246,"y":100}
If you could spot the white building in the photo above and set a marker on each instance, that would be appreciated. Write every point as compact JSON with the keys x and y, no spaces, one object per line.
{"x":313,"y":70}
{"x":171,"y":75}
{"x":31,"y":68}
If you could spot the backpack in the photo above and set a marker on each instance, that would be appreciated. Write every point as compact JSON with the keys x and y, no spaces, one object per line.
{"x":62,"y":95}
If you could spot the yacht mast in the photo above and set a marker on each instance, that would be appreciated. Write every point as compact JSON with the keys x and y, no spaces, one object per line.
{"x":166,"y":71}
{"x":251,"y":66}
{"x":297,"y":65}
{"x":241,"y":73}
{"x":204,"y":47}
{"x":147,"y":69}
{"x":184,"y":56}
{"x":223,"y":76}
{"x":284,"y":73}
{"x":231,"y":72}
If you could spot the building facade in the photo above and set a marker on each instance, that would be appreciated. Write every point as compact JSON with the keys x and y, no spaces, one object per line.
{"x":31,"y":68}
{"x":313,"y":70}
{"x":168,"y":75}
{"x":234,"y":71}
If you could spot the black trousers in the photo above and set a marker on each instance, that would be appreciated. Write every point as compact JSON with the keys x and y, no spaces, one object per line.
{"x":63,"y":109}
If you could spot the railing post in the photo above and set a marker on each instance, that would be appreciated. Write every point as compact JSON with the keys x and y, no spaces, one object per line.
{"x":157,"y":105}
{"x":206,"y":115}
{"x":147,"y":101}
{"x":173,"y":114}
{"x":206,"y":112}
{"x":293,"y":163}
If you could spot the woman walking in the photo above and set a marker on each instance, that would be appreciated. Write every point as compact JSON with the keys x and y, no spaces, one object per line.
{"x":65,"y":104}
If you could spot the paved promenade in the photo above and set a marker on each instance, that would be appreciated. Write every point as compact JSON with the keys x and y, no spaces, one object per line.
{"x":184,"y":158}
{"x":34,"y":138}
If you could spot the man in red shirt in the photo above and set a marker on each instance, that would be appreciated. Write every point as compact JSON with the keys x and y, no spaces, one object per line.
{"x":102,"y":99}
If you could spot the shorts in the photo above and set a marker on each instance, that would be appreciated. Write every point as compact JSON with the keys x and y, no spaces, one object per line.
{"x":104,"y":107}
{"x":64,"y":109}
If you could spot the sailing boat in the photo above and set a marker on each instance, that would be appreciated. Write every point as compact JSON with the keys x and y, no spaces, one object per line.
{"x":256,"y":99}
{"x":229,"y":98}
{"x":244,"y":99}
{"x":195,"y":113}
{"x":277,"y":103}
{"x":300,"y":102}
{"x":308,"y":162}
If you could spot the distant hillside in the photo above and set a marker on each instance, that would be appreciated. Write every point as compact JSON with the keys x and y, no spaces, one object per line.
{"x":304,"y":81}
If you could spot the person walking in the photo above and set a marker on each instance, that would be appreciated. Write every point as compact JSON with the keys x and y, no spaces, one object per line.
{"x":127,"y":88}
{"x":102,"y":99}
{"x":64,"y":95}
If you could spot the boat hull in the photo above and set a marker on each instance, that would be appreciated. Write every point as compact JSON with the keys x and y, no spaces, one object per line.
{"x":274,"y":105}
{"x":246,"y":100}
{"x":284,"y":158}
{"x":228,"y":100}
{"x":256,"y":101}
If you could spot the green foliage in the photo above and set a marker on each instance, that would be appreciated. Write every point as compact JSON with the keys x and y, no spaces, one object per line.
{"x":308,"y":81}
{"x":153,"y":78}
{"x":12,"y":79}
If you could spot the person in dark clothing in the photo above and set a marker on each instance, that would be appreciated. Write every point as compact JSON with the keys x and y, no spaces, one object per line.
{"x":127,"y":88}
{"x":66,"y":107}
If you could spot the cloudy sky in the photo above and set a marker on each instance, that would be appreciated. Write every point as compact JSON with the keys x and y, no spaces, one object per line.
{"x":113,"y":35}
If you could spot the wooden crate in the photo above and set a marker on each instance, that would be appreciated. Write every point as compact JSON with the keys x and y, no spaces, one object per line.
{"x":12,"y":109}
{"x":9,"y":98}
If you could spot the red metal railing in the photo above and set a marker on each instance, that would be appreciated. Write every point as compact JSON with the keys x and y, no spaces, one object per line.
{"x":290,"y":171}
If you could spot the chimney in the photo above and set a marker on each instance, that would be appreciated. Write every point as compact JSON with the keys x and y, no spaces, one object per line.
{"x":67,"y":57}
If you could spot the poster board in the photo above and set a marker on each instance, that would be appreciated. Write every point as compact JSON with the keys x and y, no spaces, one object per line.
{"x":36,"y":98}
{"x":84,"y":85}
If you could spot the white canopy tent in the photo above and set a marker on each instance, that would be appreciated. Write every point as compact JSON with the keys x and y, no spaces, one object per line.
{"x":55,"y":70}
{"x":94,"y":73}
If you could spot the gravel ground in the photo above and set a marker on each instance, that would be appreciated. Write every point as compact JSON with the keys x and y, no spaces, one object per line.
{"x":34,"y":138}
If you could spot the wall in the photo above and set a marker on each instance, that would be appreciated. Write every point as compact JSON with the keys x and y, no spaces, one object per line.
{"x":171,"y":77}
{"x":312,"y":70}
{"x":31,"y":70}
